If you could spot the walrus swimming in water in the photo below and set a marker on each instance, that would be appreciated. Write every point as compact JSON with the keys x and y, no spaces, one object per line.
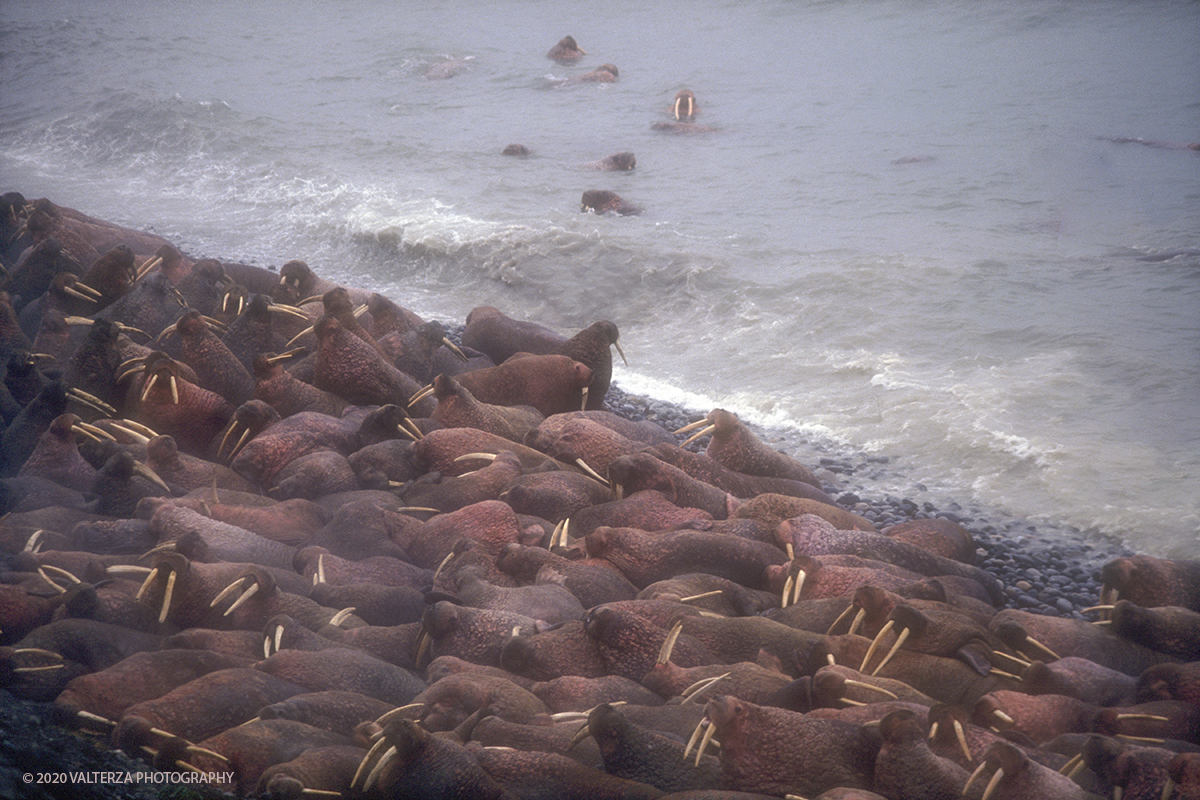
{"x":616,"y":162}
{"x":602,"y":200}
{"x":566,"y":51}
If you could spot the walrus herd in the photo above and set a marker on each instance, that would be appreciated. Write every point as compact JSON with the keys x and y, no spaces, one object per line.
{"x":263,"y":525}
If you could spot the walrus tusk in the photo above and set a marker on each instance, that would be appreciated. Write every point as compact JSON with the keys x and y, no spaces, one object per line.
{"x":64,"y":573}
{"x":387,"y":756}
{"x":443,"y":563}
{"x":283,"y":308}
{"x":166,"y":606}
{"x":453,"y":348}
{"x":149,"y":387}
{"x":241,"y":442}
{"x":858,"y":618}
{"x":692,"y":692}
{"x":150,"y":475}
{"x":174,"y":389}
{"x":484,"y":456}
{"x":71,"y":290}
{"x":221,"y":327}
{"x":337,"y":619}
{"x":221,"y":447}
{"x":621,"y":353}
{"x":1003,"y":717}
{"x":37,"y":651}
{"x":838,"y":621}
{"x":787,"y":592}
{"x":93,"y":433}
{"x":708,"y":737}
{"x":1022,"y":662}
{"x":125,"y":569}
{"x":872,"y":687}
{"x":1029,"y":640}
{"x":167,"y":331}
{"x":88,"y":716}
{"x":275,"y":358}
{"x":136,"y":435}
{"x":147,"y":265}
{"x":228,"y":590}
{"x":698,"y":435}
{"x":81,"y":396}
{"x":422,"y":648}
{"x":581,"y":734}
{"x":34,"y":541}
{"x":292,"y":341}
{"x":1073,"y":764}
{"x":1147,"y":739}
{"x":970,"y":780}
{"x":193,"y":749}
{"x":396,"y":712}
{"x":584,"y":393}
{"x":55,"y":586}
{"x":320,"y":574}
{"x":691,"y":426}
{"x":242,"y":598}
{"x":365,"y":760}
{"x":412,"y":426}
{"x":800,"y":576}
{"x":146,"y":584}
{"x":420,"y":395}
{"x":962,"y":739}
{"x":87,"y":290}
{"x":704,"y":721}
{"x":319,"y":792}
{"x":591,"y":473}
{"x":991,"y":787}
{"x":875,"y":644}
{"x":694,"y":597}
{"x":1146,"y":717}
{"x":664,"y":652}
{"x":899,"y":641}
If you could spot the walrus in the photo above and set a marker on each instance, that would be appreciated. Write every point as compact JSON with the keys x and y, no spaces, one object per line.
{"x":446,"y":69}
{"x":141,"y":676}
{"x":906,"y":769}
{"x":637,"y":754}
{"x":616,"y":162}
{"x":549,"y":383}
{"x":684,"y":107}
{"x":776,"y":751}
{"x":605,"y":73}
{"x":201,"y":707}
{"x":566,"y":51}
{"x":515,"y":150}
{"x":601,"y":201}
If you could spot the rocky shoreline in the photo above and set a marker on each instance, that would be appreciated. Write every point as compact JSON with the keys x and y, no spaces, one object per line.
{"x":1045,"y":569}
